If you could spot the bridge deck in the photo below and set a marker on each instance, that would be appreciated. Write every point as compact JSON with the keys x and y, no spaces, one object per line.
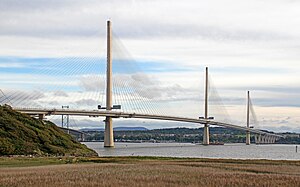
{"x":99,"y":113}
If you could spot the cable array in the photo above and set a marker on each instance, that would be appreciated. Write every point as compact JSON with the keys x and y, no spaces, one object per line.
{"x":79,"y":82}
{"x":131,"y":86}
{"x":4,"y":99}
{"x":217,"y":108}
{"x":59,"y":79}
{"x":253,"y":117}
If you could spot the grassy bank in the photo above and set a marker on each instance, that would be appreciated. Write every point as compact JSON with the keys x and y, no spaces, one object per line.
{"x":147,"y":171}
{"x":21,"y":134}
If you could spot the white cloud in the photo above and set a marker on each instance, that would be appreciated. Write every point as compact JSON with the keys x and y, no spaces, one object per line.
{"x":11,"y":65}
{"x":60,"y":93}
{"x":248,"y":44}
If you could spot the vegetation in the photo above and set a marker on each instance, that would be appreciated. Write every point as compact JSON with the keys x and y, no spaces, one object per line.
{"x":188,"y":135}
{"x":218,"y":134}
{"x":21,"y":161}
{"x":22,"y":135}
{"x":151,"y":171}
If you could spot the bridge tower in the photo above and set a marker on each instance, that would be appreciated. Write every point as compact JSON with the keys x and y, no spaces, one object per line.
{"x":248,"y":119}
{"x":206,"y":127}
{"x":108,"y":134}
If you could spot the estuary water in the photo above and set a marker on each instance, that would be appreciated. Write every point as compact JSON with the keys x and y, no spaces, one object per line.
{"x":235,"y":151}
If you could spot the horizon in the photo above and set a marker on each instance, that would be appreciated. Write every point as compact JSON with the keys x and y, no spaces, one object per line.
{"x":146,"y":129}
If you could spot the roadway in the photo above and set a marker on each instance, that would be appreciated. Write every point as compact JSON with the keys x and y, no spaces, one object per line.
{"x":115,"y":114}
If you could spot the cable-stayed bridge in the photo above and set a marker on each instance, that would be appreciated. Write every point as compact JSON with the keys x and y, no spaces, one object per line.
{"x":136,"y":101}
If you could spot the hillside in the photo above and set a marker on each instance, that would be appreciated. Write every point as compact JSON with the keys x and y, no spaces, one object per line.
{"x":22,"y":135}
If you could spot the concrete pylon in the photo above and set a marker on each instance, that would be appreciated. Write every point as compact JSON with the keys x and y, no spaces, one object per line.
{"x":206,"y":127}
{"x":109,"y":134}
{"x":41,"y":116}
{"x":206,"y":135}
{"x":248,"y":119}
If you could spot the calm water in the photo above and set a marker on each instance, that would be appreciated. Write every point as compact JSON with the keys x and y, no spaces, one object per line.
{"x":277,"y":152}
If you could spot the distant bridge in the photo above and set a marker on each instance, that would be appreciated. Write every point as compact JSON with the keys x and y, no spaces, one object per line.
{"x":78,"y":135}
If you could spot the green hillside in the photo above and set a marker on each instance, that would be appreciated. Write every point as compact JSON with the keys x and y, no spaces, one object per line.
{"x":22,"y":135}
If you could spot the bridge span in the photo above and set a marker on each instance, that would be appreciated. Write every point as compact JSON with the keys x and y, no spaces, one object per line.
{"x":115,"y":114}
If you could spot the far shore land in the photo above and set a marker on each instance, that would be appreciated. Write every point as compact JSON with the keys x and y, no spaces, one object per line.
{"x":146,"y":171}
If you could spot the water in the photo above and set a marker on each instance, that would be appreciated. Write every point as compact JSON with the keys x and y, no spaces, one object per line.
{"x":236,"y":151}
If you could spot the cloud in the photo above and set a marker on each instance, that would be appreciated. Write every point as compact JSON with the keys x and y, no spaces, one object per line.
{"x":87,"y":102}
{"x":146,"y":19}
{"x":148,"y":87}
{"x":30,"y":5}
{"x":52,"y":103}
{"x":248,"y":45}
{"x":60,"y":93}
{"x":92,"y":82}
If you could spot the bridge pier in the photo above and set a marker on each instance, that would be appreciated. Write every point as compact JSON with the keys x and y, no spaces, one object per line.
{"x":206,"y":135}
{"x":109,"y":133}
{"x":41,"y":116}
{"x":265,"y":139}
{"x":248,"y":138}
{"x":256,"y":139}
{"x":271,"y":140}
{"x":82,"y":137}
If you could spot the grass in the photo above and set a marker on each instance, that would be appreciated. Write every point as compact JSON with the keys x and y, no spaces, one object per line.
{"x":146,"y":171}
{"x":21,"y":134}
{"x":6,"y":162}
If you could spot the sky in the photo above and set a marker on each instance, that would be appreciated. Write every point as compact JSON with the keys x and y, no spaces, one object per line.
{"x":52,"y":53}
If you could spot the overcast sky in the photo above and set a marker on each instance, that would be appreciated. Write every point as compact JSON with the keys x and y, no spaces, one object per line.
{"x":50,"y":52}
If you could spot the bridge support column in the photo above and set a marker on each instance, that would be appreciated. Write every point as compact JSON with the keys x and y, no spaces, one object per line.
{"x":266,"y":139}
{"x":82,"y":137}
{"x":41,"y":116}
{"x":270,"y":139}
{"x":248,"y":138}
{"x":263,"y":139}
{"x":206,"y":135}
{"x":258,"y":139}
{"x":109,"y":133}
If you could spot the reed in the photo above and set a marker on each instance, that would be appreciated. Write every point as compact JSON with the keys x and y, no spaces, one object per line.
{"x":151,"y":171}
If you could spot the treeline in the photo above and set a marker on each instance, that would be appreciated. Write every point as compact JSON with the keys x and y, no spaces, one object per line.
{"x":218,"y":134}
{"x":189,"y":135}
